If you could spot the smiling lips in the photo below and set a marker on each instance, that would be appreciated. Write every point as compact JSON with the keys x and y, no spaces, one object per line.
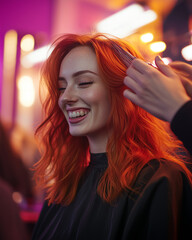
{"x":76,"y":116}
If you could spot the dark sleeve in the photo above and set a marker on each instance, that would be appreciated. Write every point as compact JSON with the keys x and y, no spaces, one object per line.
{"x":170,"y":212}
{"x":181,"y":125}
{"x":164,"y":209}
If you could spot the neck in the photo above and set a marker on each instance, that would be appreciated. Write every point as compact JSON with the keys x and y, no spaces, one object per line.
{"x":97,"y":144}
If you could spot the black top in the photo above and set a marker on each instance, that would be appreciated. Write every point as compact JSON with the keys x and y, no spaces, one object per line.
{"x":163,"y":210}
{"x":181,"y":125}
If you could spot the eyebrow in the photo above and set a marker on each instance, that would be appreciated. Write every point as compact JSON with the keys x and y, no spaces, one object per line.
{"x":76,"y":74}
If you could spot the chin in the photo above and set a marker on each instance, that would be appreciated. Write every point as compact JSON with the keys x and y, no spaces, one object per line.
{"x":76,"y":133}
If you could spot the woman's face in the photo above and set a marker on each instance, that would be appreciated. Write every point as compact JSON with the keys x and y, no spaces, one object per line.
{"x":84,"y":99}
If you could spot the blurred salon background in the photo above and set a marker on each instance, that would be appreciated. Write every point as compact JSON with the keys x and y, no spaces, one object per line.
{"x":27,"y":28}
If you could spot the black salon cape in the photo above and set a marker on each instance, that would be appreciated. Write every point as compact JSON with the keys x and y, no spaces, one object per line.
{"x":162,"y":211}
{"x":181,"y":125}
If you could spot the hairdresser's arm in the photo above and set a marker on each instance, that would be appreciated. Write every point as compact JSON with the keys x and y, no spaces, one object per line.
{"x":181,"y":124}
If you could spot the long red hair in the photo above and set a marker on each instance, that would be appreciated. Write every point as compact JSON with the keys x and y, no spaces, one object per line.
{"x":137,"y":136}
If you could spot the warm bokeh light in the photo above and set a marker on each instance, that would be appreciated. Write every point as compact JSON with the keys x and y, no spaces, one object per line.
{"x":36,"y":56}
{"x":147,"y":37}
{"x":187,"y":52}
{"x":127,"y":21}
{"x":27,"y":43}
{"x":158,"y":47}
{"x":10,"y":51}
{"x":26,"y":91}
{"x":9,"y":68}
{"x":166,"y":60}
{"x":17,"y":197}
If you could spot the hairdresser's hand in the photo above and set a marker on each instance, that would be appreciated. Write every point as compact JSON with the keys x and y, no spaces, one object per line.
{"x":158,"y":91}
{"x":184,"y":71}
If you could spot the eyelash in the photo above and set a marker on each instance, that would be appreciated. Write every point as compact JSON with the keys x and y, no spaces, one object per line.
{"x":80,"y":84}
{"x":85,"y":83}
{"x":61,"y":89}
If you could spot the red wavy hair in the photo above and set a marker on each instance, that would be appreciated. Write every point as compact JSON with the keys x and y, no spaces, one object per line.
{"x":137,"y":136}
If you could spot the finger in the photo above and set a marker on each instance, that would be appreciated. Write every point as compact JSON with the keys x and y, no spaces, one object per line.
{"x":188,"y":86}
{"x":182,"y":66}
{"x":182,"y":74}
{"x":133,"y":85}
{"x":131,"y":96}
{"x":140,"y":66}
{"x":135,"y":75}
{"x":165,"y":69}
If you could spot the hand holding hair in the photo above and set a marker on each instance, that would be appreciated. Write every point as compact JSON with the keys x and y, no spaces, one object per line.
{"x":158,"y":91}
{"x":184,"y":71}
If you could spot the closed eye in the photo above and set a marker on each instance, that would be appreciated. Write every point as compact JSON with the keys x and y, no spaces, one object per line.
{"x":85,"y":83}
{"x":61,"y":89}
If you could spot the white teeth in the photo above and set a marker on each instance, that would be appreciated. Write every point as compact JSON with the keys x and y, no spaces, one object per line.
{"x":73,"y":114}
{"x":77,"y":113}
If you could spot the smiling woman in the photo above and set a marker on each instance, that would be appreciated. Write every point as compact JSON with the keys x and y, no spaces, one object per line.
{"x":110,"y":169}
{"x":84,"y":99}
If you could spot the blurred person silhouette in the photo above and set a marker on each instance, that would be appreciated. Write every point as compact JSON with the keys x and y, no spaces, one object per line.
{"x":15,"y":188}
{"x":25,"y":145}
{"x":110,"y":169}
{"x":165,"y":92}
{"x":12,"y":168}
{"x":11,"y":225}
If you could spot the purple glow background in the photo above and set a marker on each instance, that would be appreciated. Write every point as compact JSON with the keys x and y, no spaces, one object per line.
{"x":24,"y":16}
{"x":45,"y":19}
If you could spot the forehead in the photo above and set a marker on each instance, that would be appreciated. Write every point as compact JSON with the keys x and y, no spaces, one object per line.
{"x":78,"y":59}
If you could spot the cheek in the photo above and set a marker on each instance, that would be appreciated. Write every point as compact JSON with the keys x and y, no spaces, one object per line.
{"x":61,"y":106}
{"x":97,"y":96}
{"x":60,"y":102}
{"x":90,"y":96}
{"x":102,"y":104}
{"x":106,"y":108}
{"x":105,"y":101}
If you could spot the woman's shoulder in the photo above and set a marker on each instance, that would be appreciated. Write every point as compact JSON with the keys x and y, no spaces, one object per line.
{"x":163,"y":167}
{"x":167,"y":169}
{"x":161,"y":171}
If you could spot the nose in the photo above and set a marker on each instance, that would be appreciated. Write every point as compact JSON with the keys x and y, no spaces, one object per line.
{"x":69,"y":96}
